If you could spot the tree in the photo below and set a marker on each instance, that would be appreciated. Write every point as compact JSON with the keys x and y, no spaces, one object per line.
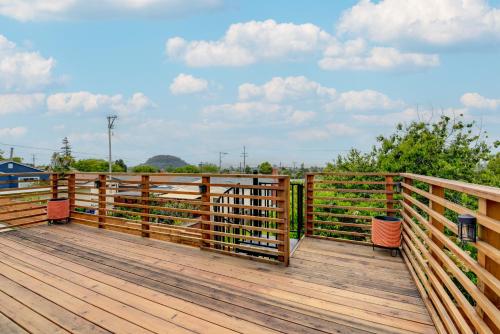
{"x":210,"y":168}
{"x":120,"y":164}
{"x":448,"y":148}
{"x":354,"y":161}
{"x":61,"y":161}
{"x":265,"y":168}
{"x":145,"y":169}
{"x":66,"y":147}
{"x":91,"y":165}
{"x":186,"y":169}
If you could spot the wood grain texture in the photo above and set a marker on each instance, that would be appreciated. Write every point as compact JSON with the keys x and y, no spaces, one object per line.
{"x":75,"y":278}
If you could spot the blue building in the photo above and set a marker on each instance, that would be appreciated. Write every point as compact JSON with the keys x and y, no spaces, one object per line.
{"x":8,"y":166}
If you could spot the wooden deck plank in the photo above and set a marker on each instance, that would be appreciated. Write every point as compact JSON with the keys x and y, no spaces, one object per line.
{"x":164,"y":287}
{"x":188,"y":254}
{"x":208,"y":315}
{"x":277,"y":296}
{"x":235,"y":280}
{"x":288,"y":321}
{"x":53,"y":312}
{"x":8,"y":326}
{"x":26,"y":318}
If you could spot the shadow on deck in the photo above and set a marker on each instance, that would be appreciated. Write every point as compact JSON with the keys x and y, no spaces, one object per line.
{"x":76,"y":279}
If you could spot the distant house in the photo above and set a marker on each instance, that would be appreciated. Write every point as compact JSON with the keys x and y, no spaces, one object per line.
{"x":8,"y":167}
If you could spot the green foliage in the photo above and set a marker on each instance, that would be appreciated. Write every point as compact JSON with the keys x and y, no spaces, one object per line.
{"x":185,"y":169}
{"x":145,"y":169}
{"x":209,"y":168}
{"x":121,"y":165}
{"x":265,"y":168}
{"x":61,"y":161}
{"x":354,"y":161}
{"x":96,"y":165}
{"x":448,"y":148}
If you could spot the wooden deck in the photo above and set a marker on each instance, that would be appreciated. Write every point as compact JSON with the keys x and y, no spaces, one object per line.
{"x":76,"y":279}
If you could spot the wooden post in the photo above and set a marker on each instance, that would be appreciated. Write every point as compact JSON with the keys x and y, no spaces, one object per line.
{"x":408,"y":192}
{"x":309,"y":202}
{"x":145,"y":194}
{"x":491,"y":209}
{"x":102,"y":200}
{"x":71,"y":192}
{"x":54,"y":185}
{"x":284,"y":227}
{"x":437,"y":191}
{"x":205,"y":223}
{"x":389,"y":196}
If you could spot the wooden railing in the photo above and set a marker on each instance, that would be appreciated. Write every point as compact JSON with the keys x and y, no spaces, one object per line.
{"x":339,"y":206}
{"x":459,"y":282}
{"x":24,"y":196}
{"x":241,"y":215}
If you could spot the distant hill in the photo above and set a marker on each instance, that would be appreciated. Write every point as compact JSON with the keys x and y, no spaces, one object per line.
{"x":165,"y":161}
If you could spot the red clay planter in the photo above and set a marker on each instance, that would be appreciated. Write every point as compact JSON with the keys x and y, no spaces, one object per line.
{"x":58,"y":210}
{"x":386,"y":232}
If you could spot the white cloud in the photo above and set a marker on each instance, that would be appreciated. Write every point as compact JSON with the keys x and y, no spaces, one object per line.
{"x":364,"y":100}
{"x":14,"y":103}
{"x":442,"y":22}
{"x":299,"y":117}
{"x":22,"y":70}
{"x":85,"y":101}
{"x":474,"y":100}
{"x":13,"y":132}
{"x":325,"y":132}
{"x":258,"y":112}
{"x":300,"y":90}
{"x":33,"y":10}
{"x":187,"y":84}
{"x":356,"y":55}
{"x":250,"y":42}
{"x":279,"y":89}
{"x":409,"y":115}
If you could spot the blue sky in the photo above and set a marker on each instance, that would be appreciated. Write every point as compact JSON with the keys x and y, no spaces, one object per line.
{"x":293,"y":81}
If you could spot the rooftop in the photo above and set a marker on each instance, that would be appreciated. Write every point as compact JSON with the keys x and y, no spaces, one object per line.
{"x":75,"y":278}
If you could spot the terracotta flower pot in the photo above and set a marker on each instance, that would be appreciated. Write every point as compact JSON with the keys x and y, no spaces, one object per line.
{"x":58,"y":209}
{"x":386,"y":231}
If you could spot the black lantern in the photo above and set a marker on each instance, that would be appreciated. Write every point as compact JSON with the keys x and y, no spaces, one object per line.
{"x":97,"y":184}
{"x":398,"y":187}
{"x":203,"y":188}
{"x":467,"y":228}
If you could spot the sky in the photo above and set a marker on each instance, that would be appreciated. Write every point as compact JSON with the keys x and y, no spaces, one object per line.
{"x":292,"y":81}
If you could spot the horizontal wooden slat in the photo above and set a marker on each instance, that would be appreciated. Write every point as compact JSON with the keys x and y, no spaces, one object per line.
{"x":355,"y":191}
{"x":488,"y":222}
{"x":349,"y":207}
{"x":333,"y":223}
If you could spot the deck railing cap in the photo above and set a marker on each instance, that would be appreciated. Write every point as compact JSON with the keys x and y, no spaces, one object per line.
{"x":487,"y":192}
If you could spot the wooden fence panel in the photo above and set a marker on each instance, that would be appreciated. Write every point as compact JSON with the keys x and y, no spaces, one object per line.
{"x":240,"y":215}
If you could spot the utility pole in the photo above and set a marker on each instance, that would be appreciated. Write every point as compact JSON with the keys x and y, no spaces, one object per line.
{"x":201,"y":167}
{"x":33,"y":157}
{"x":244,"y":155}
{"x":11,"y":153}
{"x":220,"y":160}
{"x":111,"y":125}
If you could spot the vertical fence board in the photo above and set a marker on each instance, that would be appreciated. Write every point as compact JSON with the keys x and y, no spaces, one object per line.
{"x":102,"y":200}
{"x":146,"y":202}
